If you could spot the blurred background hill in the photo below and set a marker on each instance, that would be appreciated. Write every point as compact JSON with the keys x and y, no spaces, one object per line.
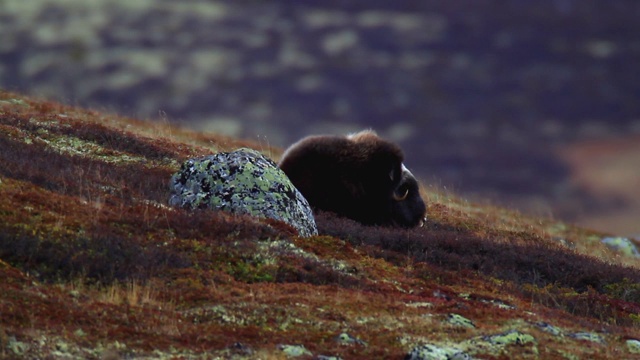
{"x":528,"y":104}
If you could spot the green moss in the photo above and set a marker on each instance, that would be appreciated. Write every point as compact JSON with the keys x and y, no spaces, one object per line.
{"x":626,"y":290}
{"x":501,"y":343}
{"x":252,"y":273}
{"x":14,"y":102}
{"x":513,"y":337}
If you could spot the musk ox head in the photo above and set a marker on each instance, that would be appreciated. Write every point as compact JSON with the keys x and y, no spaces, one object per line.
{"x":359,"y":176}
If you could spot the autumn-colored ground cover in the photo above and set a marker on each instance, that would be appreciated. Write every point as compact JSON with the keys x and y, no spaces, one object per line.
{"x":93,"y":264}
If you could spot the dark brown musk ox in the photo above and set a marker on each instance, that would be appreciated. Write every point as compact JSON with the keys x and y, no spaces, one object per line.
{"x":359,"y":176}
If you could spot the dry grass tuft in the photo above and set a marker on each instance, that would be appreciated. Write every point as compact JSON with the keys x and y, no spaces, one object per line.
{"x":132,"y":293}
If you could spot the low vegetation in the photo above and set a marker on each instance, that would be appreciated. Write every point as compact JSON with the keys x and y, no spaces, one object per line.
{"x":95,"y":265}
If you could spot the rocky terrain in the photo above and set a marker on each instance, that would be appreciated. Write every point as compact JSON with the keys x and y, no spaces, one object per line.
{"x":482,"y":96}
{"x":95,"y":265}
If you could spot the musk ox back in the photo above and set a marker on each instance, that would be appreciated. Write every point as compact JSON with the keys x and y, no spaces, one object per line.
{"x":360,"y":176}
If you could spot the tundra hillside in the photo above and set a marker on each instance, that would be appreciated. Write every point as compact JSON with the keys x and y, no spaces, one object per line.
{"x":94,"y":264}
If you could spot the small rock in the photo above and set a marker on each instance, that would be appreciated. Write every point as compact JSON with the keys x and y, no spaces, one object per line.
{"x":439,"y":294}
{"x":549,"y":328}
{"x":346,"y":339}
{"x":17,"y":347}
{"x":633,"y":346}
{"x":512,"y":337}
{"x":110,"y":354}
{"x":241,"y":349}
{"x":499,"y":304}
{"x":419,"y":305}
{"x":459,"y":320}
{"x":242,"y":182}
{"x":623,"y":245}
{"x":294,"y":350}
{"x":62,"y":346}
{"x":564,"y":242}
{"x":587,"y":336}
{"x":433,"y":352}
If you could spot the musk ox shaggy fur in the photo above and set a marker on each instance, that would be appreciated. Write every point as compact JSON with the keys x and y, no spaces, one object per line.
{"x":360,"y":176}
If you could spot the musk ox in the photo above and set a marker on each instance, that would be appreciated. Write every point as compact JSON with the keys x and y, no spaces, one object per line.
{"x":360,"y":176}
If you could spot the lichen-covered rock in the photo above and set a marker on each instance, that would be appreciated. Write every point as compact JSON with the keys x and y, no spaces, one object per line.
{"x":512,"y":337}
{"x":460,"y":321}
{"x":240,"y":349}
{"x":347,"y":339}
{"x":16,"y":347}
{"x":633,"y":346}
{"x":294,"y":350}
{"x":242,"y":182}
{"x":556,"y":331}
{"x":433,"y":352}
{"x":325,"y":357}
{"x":623,"y":245}
{"x":588,"y":336}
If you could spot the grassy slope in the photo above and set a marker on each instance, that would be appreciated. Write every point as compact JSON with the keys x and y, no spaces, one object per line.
{"x":95,"y":265}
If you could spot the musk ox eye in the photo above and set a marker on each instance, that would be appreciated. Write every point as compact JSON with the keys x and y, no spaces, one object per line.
{"x":401,"y":195}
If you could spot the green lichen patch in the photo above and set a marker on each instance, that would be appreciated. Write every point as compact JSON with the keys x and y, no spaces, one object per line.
{"x":434,"y":352}
{"x":502,"y":343}
{"x":459,"y":321}
{"x":79,"y":147}
{"x":633,"y":345}
{"x":512,"y":337}
{"x":294,"y":350}
{"x":69,"y":142}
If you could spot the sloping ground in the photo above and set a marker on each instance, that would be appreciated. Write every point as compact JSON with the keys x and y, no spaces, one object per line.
{"x":95,"y":265}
